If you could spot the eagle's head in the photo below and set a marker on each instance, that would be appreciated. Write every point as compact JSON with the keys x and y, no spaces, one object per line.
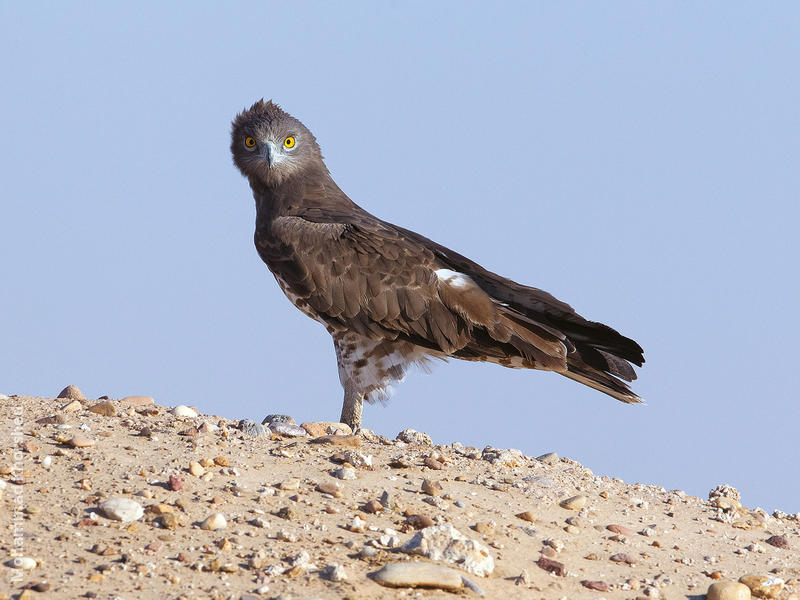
{"x":271,"y":146}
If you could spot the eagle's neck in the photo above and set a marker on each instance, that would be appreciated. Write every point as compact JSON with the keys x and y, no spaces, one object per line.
{"x":297,"y":195}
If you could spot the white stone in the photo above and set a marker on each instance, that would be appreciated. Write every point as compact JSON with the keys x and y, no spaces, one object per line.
{"x":213,"y":522}
{"x":183,"y":411}
{"x":446,"y":543}
{"x":122,"y":509}
{"x":21,"y":562}
{"x":335,"y":572}
{"x":418,"y":574}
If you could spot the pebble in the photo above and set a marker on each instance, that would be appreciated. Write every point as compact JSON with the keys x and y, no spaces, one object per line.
{"x":725,"y":503}
{"x":81,"y":441}
{"x":196,"y":469}
{"x":72,"y":406}
{"x":221,"y":461}
{"x":252,"y":428}
{"x":71,"y":392}
{"x":621,"y":557}
{"x":344,"y":473}
{"x":599,"y":586}
{"x":332,"y":488}
{"x":418,"y":574}
{"x":511,"y":458}
{"x":433,"y":464}
{"x":269,"y":419}
{"x":287,"y":429}
{"x":419,"y":521}
{"x":527,"y":516}
{"x":107,"y":409}
{"x":550,"y":458}
{"x":138,"y":400}
{"x":372,"y":507}
{"x":122,"y":509}
{"x":446,"y":543}
{"x":552,"y":566}
{"x":484,"y":527}
{"x":779,"y":541}
{"x":574,"y":502}
{"x":286,"y":536}
{"x":621,"y":529}
{"x":727,"y":590}
{"x":21,"y":562}
{"x":358,"y":525}
{"x":432,"y":487}
{"x":322,"y":428}
{"x":763,"y":587}
{"x":357,"y":459}
{"x":213,"y":522}
{"x":175,"y":483}
{"x":412,"y":436}
{"x":289,"y":484}
{"x":183,"y":411}
{"x":334,"y":572}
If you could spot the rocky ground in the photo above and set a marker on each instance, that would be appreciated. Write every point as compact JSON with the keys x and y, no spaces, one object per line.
{"x":127,"y":499}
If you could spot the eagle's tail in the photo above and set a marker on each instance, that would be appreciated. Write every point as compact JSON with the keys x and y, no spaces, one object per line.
{"x":603,"y":382}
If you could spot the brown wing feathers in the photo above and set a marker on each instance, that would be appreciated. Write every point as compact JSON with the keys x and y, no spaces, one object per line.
{"x":380,"y":283}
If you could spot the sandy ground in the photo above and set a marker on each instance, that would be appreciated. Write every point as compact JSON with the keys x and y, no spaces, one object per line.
{"x":287,"y":526}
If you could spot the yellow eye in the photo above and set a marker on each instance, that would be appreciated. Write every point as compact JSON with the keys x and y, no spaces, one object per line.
{"x":289,"y":142}
{"x":250,"y":142}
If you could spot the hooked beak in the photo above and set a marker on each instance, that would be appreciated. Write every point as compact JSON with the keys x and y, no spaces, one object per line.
{"x":269,"y":153}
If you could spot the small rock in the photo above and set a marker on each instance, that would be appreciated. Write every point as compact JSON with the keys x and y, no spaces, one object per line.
{"x":728,"y":590}
{"x":81,"y":441}
{"x":484,"y":527}
{"x":286,"y":536}
{"x":621,"y":557}
{"x":446,"y":543}
{"x":288,"y":513}
{"x":599,"y":586}
{"x":52,"y":420}
{"x":344,"y":473}
{"x":175,"y":483}
{"x":332,"y":488}
{"x":196,"y":469}
{"x":779,"y":541}
{"x":122,"y":509}
{"x":71,"y":392}
{"x":510,"y":458}
{"x":252,"y":428}
{"x":412,"y":436}
{"x":213,"y":522}
{"x":184,"y":411}
{"x":621,"y":529}
{"x":270,"y":419}
{"x":726,"y":491}
{"x":433,"y":464}
{"x":763,"y":587}
{"x":725,"y":503}
{"x":21,"y":562}
{"x":419,"y":521}
{"x":432,"y":487}
{"x":552,"y":566}
{"x":334,"y":572}
{"x":574,"y":502}
{"x":107,"y":409}
{"x":71,"y":407}
{"x":358,"y":525}
{"x":321,"y":428}
{"x":418,"y":574}
{"x":527,"y":516}
{"x":138,"y":400}
{"x":222,"y":461}
{"x":372,"y":507}
{"x":550,"y":458}
{"x":287,"y":429}
{"x":289,"y":485}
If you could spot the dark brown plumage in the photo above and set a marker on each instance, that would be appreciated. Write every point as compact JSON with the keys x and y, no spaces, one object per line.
{"x":391,"y":297}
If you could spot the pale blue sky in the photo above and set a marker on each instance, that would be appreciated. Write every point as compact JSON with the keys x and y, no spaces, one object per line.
{"x":640,"y":161}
